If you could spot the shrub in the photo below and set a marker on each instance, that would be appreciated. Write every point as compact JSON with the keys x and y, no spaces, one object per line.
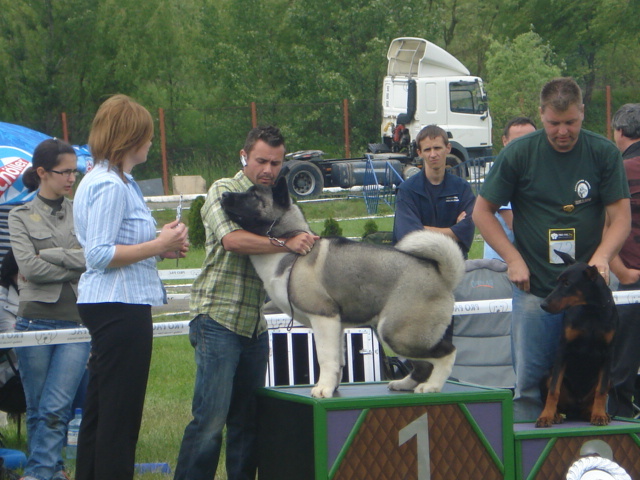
{"x":331,"y":228}
{"x":197,"y":235}
{"x":370,"y":227}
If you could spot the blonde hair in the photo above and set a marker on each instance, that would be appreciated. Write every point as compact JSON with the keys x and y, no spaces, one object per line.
{"x":120,"y":126}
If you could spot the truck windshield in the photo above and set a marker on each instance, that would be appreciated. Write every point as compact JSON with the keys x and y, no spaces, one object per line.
{"x":467,"y":97}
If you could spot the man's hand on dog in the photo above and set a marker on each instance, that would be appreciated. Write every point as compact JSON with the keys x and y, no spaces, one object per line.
{"x":302,"y":243}
{"x":603,"y":267}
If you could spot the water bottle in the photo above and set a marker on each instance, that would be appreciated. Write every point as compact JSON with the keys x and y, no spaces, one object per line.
{"x":72,"y":434}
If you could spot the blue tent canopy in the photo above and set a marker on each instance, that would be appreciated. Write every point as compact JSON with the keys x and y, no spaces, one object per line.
{"x":17,"y":144}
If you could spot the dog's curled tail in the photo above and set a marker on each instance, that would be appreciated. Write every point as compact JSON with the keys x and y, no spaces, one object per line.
{"x":439,"y":248}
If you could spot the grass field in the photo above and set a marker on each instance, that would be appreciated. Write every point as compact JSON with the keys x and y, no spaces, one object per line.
{"x":169,"y":393}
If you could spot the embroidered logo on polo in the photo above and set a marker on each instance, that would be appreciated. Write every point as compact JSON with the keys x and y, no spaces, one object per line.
{"x":582,"y":188}
{"x":453,"y":198}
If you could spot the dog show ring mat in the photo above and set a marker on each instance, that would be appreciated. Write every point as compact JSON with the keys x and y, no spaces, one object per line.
{"x":369,"y":432}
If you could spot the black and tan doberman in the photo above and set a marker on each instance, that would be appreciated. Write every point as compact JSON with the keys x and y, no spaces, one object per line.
{"x":579,"y":381}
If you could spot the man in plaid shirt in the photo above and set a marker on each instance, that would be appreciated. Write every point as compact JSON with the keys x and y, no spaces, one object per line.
{"x":229,"y":331}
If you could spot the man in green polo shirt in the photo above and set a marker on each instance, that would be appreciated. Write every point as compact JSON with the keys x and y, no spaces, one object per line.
{"x":229,"y":332}
{"x":561,"y":181}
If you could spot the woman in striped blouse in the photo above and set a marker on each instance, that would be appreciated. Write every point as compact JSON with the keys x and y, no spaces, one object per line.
{"x":120,"y":285}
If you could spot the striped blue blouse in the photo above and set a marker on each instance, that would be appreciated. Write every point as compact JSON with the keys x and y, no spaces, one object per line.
{"x":109,"y":212}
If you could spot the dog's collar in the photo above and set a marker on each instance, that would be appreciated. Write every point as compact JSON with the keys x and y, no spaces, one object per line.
{"x":277,"y":241}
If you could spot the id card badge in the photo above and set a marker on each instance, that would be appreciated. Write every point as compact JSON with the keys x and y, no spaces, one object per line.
{"x":563,"y":240}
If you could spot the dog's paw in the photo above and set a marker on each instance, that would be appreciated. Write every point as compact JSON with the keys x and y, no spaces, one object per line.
{"x":545,"y":421}
{"x":427,"y":388}
{"x":405,"y":384}
{"x":600,"y":419}
{"x":322,"y":391}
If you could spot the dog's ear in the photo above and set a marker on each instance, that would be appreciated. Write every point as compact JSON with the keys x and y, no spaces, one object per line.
{"x":284,"y":171}
{"x":281,"y":193}
{"x":591,"y":272}
{"x":566,"y":258}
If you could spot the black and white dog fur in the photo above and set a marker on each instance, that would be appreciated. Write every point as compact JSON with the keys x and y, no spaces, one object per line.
{"x":406,"y":292}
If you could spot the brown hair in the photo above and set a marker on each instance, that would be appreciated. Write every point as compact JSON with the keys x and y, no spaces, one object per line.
{"x":431,"y":131}
{"x":516,"y":122}
{"x":46,"y":155}
{"x":120,"y":126}
{"x":560,"y":93}
{"x":269,"y":134}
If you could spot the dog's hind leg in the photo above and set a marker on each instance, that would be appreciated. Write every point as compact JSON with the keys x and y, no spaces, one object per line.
{"x":441,"y":371}
{"x":329,"y":340}
{"x":429,"y":374}
{"x":599,"y":415}
{"x":421,"y":370}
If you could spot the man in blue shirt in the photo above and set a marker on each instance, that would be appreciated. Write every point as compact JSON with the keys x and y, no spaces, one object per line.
{"x":515,"y":128}
{"x":436,"y":200}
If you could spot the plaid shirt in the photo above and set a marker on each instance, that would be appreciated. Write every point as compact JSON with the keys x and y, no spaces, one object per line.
{"x":228,"y":289}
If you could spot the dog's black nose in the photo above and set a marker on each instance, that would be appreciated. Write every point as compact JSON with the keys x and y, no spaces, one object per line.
{"x":226,"y":199}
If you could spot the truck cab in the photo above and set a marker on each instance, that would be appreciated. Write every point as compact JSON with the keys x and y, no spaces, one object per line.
{"x":426,"y":85}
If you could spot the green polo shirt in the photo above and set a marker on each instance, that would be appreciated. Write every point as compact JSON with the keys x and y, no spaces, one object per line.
{"x":228,"y":289}
{"x":556,"y":193}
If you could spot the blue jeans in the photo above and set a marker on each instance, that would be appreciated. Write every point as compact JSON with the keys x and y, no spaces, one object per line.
{"x":229,"y":370}
{"x":535,"y":336}
{"x":50,"y":378}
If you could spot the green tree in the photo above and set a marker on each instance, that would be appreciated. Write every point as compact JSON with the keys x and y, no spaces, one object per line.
{"x":205,"y":61}
{"x":577,"y":31}
{"x":517,"y":70}
{"x":38,"y":54}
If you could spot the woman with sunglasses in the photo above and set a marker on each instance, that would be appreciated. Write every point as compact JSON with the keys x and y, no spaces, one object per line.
{"x":51,"y":262}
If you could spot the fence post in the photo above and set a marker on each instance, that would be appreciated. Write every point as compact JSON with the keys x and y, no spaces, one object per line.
{"x":163,"y":151}
{"x":254,"y":115}
{"x":65,"y":130}
{"x":347,"y":142}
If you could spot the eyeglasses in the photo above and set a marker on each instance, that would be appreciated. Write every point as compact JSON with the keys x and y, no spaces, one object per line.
{"x":66,"y":173}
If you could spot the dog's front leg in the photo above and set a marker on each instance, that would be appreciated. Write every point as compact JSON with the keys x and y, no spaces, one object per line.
{"x":550,"y":414}
{"x":328,"y":334}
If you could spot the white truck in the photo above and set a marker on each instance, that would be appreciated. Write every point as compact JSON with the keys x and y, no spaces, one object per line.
{"x":424,"y":85}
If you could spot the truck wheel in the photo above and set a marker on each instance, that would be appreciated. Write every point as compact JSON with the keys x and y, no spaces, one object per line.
{"x":453,"y":160}
{"x":455,"y":165}
{"x":304,"y":179}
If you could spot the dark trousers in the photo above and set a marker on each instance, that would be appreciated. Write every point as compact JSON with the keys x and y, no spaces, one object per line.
{"x":626,"y":359}
{"x":121,"y":343}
